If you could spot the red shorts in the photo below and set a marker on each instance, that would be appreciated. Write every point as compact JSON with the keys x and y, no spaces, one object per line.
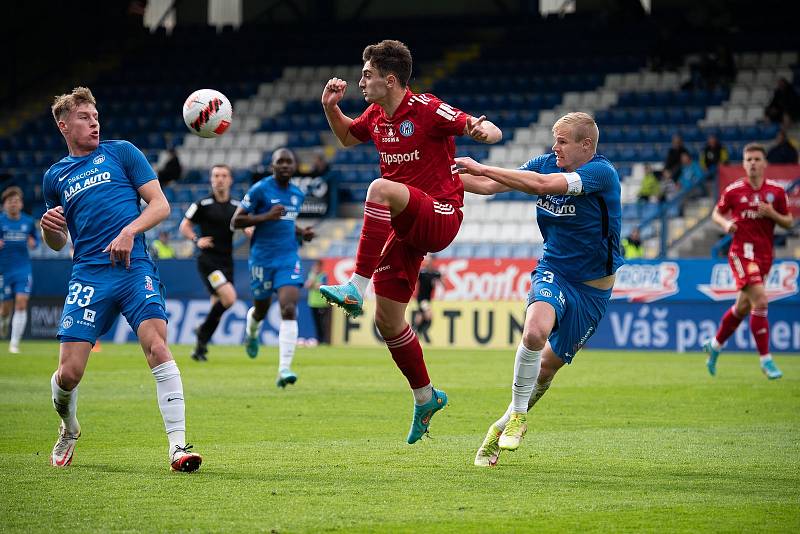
{"x":426,"y":225}
{"x":749,"y":272}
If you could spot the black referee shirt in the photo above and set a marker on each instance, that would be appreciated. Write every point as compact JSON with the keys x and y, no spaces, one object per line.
{"x":214,"y":219}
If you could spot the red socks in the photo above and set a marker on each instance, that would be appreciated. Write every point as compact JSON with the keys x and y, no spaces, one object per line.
{"x":759,"y":327}
{"x":730,"y":321}
{"x":374,"y":233}
{"x":407,"y":354}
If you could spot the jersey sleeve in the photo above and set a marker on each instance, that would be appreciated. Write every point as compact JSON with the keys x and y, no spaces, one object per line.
{"x":534,"y":164}
{"x":192,"y":213}
{"x":253,"y":200}
{"x":593,"y":177}
{"x":724,"y":204}
{"x":51,"y":198}
{"x":444,"y":119}
{"x":781,"y":203}
{"x":359,"y":128}
{"x":136,"y":166}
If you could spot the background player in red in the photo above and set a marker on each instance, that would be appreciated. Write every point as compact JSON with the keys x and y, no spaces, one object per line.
{"x":414,"y":208}
{"x":755,"y":205}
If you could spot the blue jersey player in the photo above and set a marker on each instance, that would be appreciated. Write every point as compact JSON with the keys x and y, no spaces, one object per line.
{"x":579,"y":213}
{"x":17,"y":235}
{"x":93,"y":195}
{"x":272,"y":206}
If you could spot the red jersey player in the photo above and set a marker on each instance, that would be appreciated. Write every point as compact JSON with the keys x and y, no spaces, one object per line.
{"x":755,"y":206}
{"x":414,"y":208}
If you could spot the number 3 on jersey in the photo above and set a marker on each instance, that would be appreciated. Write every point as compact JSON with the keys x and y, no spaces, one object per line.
{"x":80,"y":294}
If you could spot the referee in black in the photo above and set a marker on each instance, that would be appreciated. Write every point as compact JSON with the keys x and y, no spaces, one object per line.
{"x":212,"y":215}
{"x":429,"y":277}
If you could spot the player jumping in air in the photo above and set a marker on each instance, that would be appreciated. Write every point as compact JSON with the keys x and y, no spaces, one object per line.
{"x":412,"y":209}
{"x":272,"y":206}
{"x":755,"y":205}
{"x":94,"y":193}
{"x":580,"y":215}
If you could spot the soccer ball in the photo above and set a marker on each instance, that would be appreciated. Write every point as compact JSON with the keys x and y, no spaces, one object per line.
{"x":207,"y":113}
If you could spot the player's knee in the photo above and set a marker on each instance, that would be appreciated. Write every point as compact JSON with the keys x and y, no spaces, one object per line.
{"x":534,"y":337}
{"x":158,"y":351}
{"x":68,"y":377}
{"x":760,"y":302}
{"x":288,"y":311}
{"x":379,"y":190}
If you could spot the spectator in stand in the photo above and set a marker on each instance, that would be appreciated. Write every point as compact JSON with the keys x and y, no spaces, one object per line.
{"x":319,"y":167}
{"x":170,"y":170}
{"x":651,"y":186}
{"x":784,"y":108}
{"x":783,"y":151}
{"x":161,"y":248}
{"x":713,"y":155}
{"x":673,"y":161}
{"x":632,"y":245}
{"x":690,"y":174}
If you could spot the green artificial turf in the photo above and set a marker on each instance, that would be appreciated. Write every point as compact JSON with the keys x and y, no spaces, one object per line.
{"x":622,"y":442}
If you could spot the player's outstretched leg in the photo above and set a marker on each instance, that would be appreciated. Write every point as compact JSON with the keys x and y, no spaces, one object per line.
{"x":712,"y":348}
{"x":251,"y":336}
{"x":346,"y":296}
{"x":489,"y":451}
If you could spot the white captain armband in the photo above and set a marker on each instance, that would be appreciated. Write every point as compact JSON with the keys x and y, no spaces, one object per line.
{"x":574,"y":183}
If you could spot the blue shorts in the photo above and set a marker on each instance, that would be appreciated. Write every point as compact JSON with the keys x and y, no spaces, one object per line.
{"x":578,"y":307}
{"x":97,"y":294}
{"x":266,"y":278}
{"x":15,"y":283}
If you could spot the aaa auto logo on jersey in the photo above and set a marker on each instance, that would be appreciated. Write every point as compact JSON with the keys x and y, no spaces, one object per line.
{"x":646,"y":282}
{"x":781,"y":282}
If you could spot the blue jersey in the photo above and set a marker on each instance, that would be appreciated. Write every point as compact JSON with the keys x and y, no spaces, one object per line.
{"x":273,"y":241}
{"x":99,"y":194}
{"x":581,"y":229}
{"x":15,"y":233}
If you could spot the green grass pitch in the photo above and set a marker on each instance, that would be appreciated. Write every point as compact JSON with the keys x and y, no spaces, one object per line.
{"x":622,"y":442}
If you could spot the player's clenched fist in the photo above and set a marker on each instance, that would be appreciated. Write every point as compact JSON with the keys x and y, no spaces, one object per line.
{"x":333,"y":92}
{"x":53,"y":220}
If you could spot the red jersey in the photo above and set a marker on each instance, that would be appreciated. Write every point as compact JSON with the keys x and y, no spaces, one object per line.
{"x":754,"y":233}
{"x":416,"y":145}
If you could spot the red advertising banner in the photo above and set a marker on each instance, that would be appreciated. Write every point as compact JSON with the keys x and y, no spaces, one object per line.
{"x":784,"y":174}
{"x":464,"y":279}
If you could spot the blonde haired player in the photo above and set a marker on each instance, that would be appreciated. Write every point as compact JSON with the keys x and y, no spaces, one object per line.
{"x":579,"y":213}
{"x":94,"y":194}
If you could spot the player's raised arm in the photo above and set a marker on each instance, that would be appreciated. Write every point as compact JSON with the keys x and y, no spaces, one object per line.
{"x":156,"y":211}
{"x":340,"y":123}
{"x":529,"y":182}
{"x":482,"y":130}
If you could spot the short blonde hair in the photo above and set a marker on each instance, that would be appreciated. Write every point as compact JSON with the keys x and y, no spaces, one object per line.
{"x":64,"y":104}
{"x":12,"y":191}
{"x":582,"y":125}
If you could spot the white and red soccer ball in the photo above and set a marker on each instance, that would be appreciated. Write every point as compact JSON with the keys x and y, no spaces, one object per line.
{"x":207,"y":113}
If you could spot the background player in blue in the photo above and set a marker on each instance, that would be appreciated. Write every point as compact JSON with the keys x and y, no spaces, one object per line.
{"x":94,"y":194}
{"x":272,"y":206}
{"x":17,"y":235}
{"x":579,"y":214}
